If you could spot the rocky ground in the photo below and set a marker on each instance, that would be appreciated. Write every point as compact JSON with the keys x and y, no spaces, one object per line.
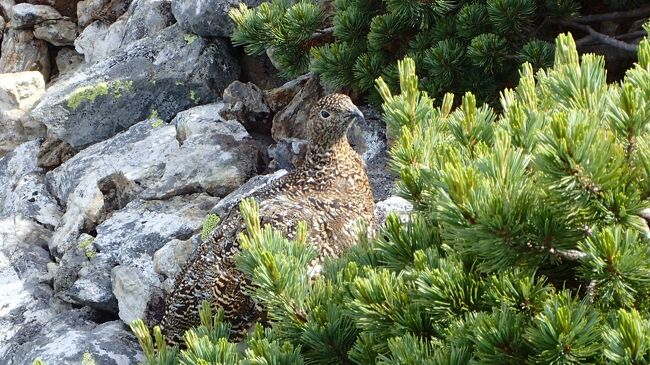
{"x":122,"y":124}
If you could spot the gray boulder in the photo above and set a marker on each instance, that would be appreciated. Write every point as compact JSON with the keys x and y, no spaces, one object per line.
{"x":208,"y":18}
{"x":13,"y":166}
{"x":154,"y":77}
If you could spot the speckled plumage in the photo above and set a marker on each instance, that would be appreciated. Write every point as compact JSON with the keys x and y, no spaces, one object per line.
{"x":330,"y":192}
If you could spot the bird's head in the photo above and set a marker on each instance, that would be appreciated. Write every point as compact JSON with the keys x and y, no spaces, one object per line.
{"x":331,"y":117}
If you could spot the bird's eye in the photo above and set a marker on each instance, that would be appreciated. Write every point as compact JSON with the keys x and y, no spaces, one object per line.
{"x":325,"y":114}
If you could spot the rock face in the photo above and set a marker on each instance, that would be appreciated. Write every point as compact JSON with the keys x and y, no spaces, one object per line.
{"x":19,"y":93}
{"x":143,"y":18}
{"x":208,"y":18}
{"x":157,"y":76}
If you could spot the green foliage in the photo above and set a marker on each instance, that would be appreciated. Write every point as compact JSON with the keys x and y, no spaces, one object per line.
{"x":209,"y":224}
{"x":458,"y":45}
{"x":527,"y":243}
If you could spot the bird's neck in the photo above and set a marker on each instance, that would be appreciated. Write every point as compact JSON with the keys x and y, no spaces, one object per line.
{"x":320,"y":156}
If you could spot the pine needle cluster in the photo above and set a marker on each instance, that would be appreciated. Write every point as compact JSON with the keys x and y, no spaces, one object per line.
{"x":458,"y":45}
{"x":528,"y":243}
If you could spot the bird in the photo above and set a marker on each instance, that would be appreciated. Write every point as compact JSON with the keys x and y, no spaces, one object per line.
{"x":330,"y":192}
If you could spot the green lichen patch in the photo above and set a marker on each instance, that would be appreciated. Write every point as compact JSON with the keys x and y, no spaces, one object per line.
{"x":156,"y":121}
{"x":119,"y":87}
{"x":91,"y":92}
{"x":190,"y":38}
{"x":194,"y":96}
{"x":87,"y":359}
{"x":87,"y":93}
{"x":87,"y":247}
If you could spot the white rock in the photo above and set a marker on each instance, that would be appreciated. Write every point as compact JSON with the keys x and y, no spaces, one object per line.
{"x":133,"y":286}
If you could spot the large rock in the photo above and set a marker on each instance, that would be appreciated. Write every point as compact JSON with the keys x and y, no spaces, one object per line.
{"x":146,"y":18}
{"x":5,"y":8}
{"x":19,"y":93}
{"x":156,"y":76}
{"x":25,"y":15}
{"x":21,"y":51}
{"x":208,"y":18}
{"x":215,"y":156}
{"x":99,"y":39}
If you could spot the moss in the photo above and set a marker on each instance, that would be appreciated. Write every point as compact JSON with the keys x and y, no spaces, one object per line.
{"x":156,"y":121}
{"x":92,"y":92}
{"x":209,"y":224}
{"x":194,"y":96}
{"x":38,"y":361}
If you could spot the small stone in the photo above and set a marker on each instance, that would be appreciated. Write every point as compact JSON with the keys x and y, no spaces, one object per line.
{"x":245,"y":103}
{"x":394,"y":204}
{"x":54,"y":152}
{"x":289,"y":122}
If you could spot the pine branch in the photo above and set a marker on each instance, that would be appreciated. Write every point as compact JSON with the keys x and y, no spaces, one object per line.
{"x":614,"y":16}
{"x":590,"y":40}
{"x":603,"y":38}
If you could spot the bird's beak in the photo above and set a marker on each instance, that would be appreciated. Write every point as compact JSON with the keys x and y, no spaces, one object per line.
{"x":356,"y":114}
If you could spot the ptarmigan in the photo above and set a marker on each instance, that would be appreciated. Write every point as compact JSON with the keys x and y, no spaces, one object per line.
{"x":330,"y":192}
